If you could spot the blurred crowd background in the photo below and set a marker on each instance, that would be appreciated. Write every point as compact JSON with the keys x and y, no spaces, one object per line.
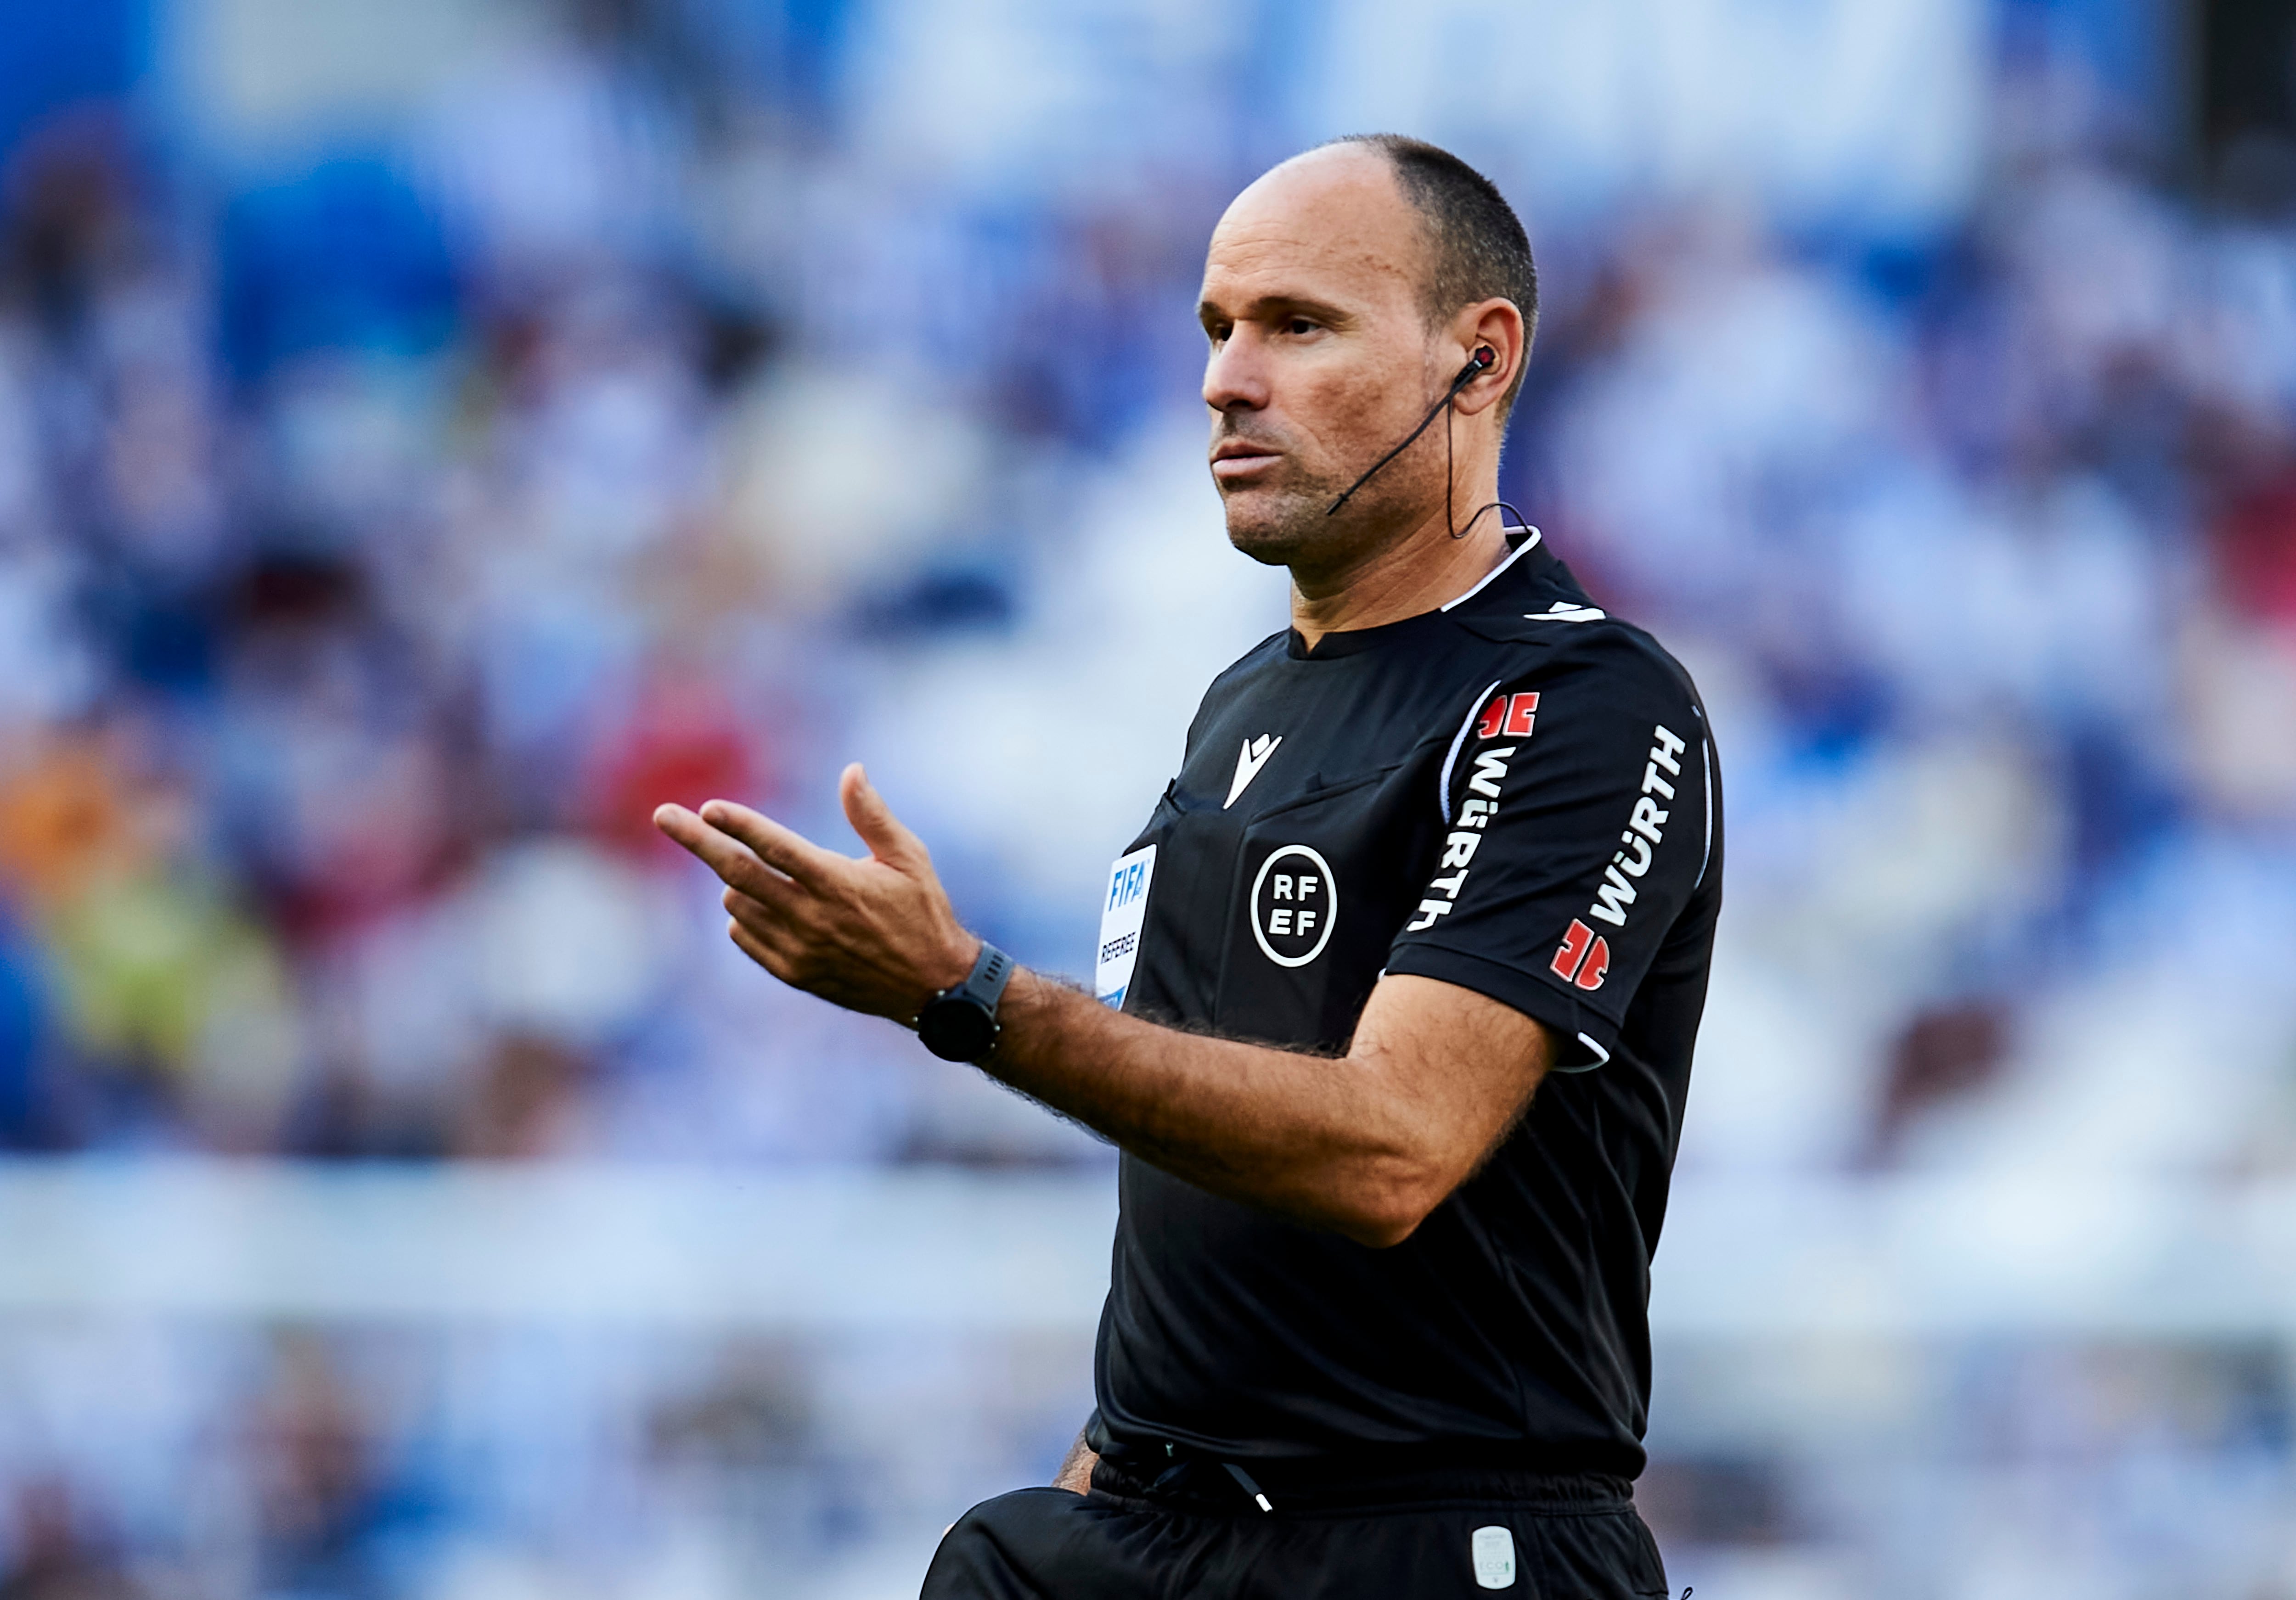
{"x":432,"y":435}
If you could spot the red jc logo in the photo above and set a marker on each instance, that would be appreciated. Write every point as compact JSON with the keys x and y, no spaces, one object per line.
{"x":1508,"y":714}
{"x":1583,"y":957}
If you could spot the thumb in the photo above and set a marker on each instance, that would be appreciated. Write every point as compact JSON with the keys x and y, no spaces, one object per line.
{"x":872,"y":818}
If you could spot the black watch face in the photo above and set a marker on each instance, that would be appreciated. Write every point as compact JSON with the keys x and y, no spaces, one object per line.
{"x":956,"y":1030}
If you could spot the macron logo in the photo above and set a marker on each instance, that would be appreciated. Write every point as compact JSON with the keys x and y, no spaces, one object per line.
{"x":1563,"y":610}
{"x":1249,"y":760}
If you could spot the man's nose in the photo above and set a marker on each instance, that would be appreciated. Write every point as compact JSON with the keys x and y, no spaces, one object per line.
{"x":1235,"y":376}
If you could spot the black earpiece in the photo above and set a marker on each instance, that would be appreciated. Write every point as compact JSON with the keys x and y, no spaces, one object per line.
{"x":1477,"y":365}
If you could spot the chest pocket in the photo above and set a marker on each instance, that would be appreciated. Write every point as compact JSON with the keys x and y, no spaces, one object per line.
{"x":1176,"y":977}
{"x":1318,"y":888}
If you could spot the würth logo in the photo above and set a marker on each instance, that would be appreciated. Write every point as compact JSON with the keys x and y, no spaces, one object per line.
{"x":1583,"y":957}
{"x":1646,"y":830}
{"x":1475,"y":814}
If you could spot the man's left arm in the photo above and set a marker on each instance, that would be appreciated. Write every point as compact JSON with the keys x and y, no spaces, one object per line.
{"x":1580,"y":822}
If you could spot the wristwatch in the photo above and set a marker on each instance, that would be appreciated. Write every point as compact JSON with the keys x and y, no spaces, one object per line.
{"x":960,"y":1023}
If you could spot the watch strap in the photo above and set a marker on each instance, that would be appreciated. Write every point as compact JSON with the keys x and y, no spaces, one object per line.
{"x":960,"y":1023}
{"x":992,"y":969}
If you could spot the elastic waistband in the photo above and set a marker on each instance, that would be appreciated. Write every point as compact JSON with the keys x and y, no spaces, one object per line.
{"x":1204,"y":1484}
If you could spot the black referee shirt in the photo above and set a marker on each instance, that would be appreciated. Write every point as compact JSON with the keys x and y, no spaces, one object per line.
{"x":1515,"y":794}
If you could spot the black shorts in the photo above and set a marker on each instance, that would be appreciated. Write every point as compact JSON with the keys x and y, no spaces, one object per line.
{"x":1573,"y":1537}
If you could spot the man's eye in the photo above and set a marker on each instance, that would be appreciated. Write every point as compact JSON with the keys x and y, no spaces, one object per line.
{"x":1299,"y":325}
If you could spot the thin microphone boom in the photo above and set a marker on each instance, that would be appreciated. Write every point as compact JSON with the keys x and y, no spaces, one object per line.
{"x":1476,"y":366}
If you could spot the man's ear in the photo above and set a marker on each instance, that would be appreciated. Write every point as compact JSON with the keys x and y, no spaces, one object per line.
{"x":1497,"y":325}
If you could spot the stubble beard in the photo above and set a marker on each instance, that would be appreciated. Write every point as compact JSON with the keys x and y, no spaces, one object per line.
{"x":1277,"y":525}
{"x":1289,"y":523}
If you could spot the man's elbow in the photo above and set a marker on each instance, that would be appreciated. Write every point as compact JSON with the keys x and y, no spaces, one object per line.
{"x":1381,"y":1214}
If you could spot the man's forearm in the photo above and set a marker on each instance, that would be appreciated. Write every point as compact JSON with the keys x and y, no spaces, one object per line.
{"x":1367,"y":1143}
{"x":1328,"y":1141}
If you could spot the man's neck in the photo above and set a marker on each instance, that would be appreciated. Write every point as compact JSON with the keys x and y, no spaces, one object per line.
{"x":1421,"y":571}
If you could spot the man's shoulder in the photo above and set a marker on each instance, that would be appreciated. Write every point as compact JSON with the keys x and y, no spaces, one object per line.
{"x":1237,"y":674}
{"x":1274,"y":647}
{"x":1568,"y":637}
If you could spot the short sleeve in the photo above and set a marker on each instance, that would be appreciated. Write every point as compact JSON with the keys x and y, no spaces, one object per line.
{"x":1577,"y":825}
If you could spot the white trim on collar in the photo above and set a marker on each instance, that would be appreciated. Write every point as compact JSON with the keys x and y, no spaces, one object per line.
{"x":1517,"y":553}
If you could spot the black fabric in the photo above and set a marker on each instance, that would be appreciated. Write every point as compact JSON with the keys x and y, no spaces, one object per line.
{"x":1476,"y":795}
{"x":1569,"y":1540}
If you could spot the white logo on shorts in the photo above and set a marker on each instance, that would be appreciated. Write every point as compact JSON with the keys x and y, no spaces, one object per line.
{"x":1493,"y":1548}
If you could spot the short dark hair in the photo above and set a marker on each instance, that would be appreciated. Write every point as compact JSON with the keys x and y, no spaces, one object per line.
{"x":1478,"y":247}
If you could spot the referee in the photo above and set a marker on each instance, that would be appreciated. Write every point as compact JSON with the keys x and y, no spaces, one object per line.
{"x":1452,"y":840}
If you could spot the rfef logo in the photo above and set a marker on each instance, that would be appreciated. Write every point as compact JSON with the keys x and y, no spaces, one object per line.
{"x":1583,"y":957}
{"x":1295,"y":904}
{"x":1508,"y":714}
